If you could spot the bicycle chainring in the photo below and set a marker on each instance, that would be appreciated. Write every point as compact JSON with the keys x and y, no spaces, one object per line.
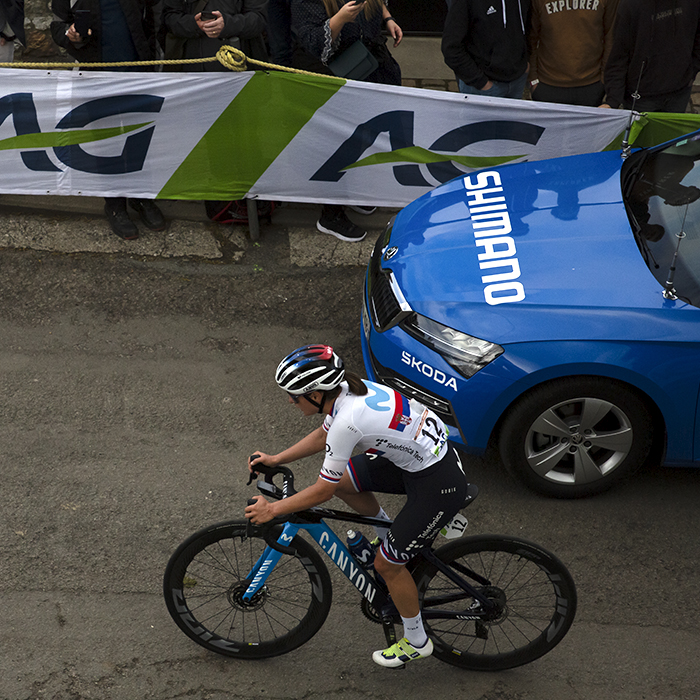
{"x":369,"y":612}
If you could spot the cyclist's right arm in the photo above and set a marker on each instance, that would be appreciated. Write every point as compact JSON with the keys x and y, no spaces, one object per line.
{"x":312,"y":444}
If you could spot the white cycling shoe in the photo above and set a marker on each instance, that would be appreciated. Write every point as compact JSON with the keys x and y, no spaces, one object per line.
{"x":401,"y":653}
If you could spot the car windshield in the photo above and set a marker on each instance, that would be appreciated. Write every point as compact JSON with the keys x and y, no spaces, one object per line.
{"x":662,"y":194}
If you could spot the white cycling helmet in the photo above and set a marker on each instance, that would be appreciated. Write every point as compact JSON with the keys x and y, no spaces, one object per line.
{"x":310,"y":368}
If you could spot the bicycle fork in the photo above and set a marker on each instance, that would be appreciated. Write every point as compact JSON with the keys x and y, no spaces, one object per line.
{"x":331,"y":544}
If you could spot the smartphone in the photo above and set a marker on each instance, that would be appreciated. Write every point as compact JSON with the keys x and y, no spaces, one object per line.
{"x":82,"y":21}
{"x":208,"y":15}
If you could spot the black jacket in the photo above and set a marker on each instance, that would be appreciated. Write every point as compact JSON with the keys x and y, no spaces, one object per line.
{"x":138,"y":15}
{"x":243,"y":19}
{"x":657,"y":40}
{"x":480,"y":44}
{"x":13,"y":13}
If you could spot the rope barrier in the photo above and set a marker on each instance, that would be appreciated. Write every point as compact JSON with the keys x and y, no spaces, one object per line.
{"x":229,"y":57}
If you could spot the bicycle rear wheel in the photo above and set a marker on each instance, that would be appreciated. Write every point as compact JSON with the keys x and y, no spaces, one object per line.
{"x":534,"y":593}
{"x":204,"y":584}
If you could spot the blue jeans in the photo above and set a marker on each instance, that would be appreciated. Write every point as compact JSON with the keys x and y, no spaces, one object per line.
{"x":514,"y":88}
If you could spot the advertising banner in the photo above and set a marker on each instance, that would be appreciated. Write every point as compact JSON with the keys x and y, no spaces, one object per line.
{"x":279,"y":136}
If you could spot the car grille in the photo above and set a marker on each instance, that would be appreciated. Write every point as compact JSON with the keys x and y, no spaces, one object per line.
{"x":385,"y":306}
{"x":396,"y":381}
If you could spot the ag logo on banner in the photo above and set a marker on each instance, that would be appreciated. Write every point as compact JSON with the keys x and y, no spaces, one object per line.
{"x":439,"y":155}
{"x":66,"y":142}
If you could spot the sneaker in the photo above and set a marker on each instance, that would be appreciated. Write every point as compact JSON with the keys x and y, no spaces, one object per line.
{"x":366,"y":211}
{"x":340,"y":226}
{"x":150,"y":214}
{"x":401,"y":653}
{"x":121,"y":224}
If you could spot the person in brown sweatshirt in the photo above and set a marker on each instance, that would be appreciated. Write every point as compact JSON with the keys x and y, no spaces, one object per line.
{"x":569,"y":43}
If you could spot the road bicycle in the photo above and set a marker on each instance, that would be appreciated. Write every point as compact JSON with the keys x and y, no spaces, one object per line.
{"x":489,"y":602}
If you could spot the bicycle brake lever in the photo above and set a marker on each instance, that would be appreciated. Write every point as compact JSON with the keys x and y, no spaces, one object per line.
{"x":253,"y":474}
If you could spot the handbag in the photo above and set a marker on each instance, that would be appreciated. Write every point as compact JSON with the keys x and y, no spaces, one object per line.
{"x":355,"y":63}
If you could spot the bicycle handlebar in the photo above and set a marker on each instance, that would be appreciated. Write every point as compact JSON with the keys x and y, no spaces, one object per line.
{"x":287,"y":490}
{"x":269,"y":473}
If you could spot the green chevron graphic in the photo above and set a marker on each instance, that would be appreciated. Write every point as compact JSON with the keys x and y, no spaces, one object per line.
{"x":417,"y":154}
{"x":52,"y":139}
{"x":249,"y":135}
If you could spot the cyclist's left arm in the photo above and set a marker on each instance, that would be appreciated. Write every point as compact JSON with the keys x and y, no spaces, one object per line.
{"x":262,"y":510}
{"x":312,"y":444}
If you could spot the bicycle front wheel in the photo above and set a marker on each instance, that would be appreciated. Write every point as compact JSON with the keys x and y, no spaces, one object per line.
{"x":204,"y":584}
{"x":533,"y":592}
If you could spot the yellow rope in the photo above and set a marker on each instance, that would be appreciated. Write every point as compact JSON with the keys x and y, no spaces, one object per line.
{"x":228,"y":56}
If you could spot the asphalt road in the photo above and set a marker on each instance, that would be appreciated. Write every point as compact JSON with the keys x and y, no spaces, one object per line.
{"x":132,"y":393}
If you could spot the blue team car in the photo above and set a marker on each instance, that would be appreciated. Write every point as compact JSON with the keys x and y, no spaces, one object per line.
{"x":550,"y":309}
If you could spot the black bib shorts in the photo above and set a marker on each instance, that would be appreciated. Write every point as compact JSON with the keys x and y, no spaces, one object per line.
{"x":434,"y":496}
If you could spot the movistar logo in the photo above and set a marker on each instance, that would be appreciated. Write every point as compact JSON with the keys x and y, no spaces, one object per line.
{"x":441,"y":158}
{"x":70,"y":133}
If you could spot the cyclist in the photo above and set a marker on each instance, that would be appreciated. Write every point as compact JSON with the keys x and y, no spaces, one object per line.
{"x":405,"y":450}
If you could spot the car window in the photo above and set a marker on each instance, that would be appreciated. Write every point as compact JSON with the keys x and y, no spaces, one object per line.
{"x":662,"y":194}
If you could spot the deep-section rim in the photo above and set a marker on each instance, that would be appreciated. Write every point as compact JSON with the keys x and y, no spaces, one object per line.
{"x":554,"y":628}
{"x":311,"y":575}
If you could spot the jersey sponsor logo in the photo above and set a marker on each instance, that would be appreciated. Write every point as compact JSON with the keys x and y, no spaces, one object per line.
{"x":377,"y":398}
{"x":491,"y":226}
{"x":384,"y":442}
{"x":427,"y":371}
{"x":431,"y":529}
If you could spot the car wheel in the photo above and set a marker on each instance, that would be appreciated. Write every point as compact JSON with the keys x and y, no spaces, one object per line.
{"x":576,"y":437}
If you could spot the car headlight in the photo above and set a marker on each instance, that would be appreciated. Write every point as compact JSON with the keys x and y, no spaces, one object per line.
{"x":463,"y":352}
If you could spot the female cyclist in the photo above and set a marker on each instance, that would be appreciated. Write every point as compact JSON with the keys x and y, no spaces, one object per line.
{"x":405,"y":450}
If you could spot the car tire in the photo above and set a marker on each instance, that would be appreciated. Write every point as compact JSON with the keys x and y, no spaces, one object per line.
{"x":576,"y":437}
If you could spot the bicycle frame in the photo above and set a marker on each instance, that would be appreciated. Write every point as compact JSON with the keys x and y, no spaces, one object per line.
{"x":333,"y":546}
{"x":359,"y":576}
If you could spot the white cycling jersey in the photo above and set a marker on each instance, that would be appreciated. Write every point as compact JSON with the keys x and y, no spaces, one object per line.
{"x":382,"y":422}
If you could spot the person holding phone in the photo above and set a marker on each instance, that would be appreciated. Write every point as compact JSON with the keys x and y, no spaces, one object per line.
{"x":325,"y":30}
{"x":111,"y":31}
{"x":207,"y":26}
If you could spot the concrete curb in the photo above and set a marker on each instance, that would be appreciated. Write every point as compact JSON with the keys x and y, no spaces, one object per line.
{"x":72,"y":225}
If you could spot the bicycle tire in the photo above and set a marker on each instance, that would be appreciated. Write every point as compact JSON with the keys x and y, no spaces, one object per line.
{"x":535,"y":592}
{"x":204,"y":583}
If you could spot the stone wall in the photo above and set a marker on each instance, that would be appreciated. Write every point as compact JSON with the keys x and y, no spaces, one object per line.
{"x":40,"y":45}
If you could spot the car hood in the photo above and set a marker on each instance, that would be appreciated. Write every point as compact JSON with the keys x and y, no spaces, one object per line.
{"x":581,"y":271}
